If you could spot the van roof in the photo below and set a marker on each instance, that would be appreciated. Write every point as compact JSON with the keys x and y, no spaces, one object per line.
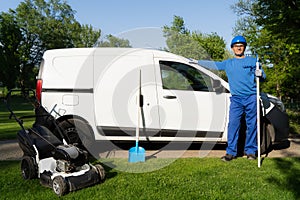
{"x":106,"y":51}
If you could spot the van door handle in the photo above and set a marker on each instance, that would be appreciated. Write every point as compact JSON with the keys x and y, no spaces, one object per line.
{"x":170,"y":97}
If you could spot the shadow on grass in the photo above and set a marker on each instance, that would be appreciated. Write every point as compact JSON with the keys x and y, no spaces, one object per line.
{"x":290,"y":169}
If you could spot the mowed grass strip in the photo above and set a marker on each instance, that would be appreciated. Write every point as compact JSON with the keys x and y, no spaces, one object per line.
{"x":9,"y":127}
{"x":188,"y":178}
{"x":191,"y":178}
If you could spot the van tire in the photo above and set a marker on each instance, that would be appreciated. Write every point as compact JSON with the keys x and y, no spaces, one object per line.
{"x":77,"y":132}
{"x":267,"y":136}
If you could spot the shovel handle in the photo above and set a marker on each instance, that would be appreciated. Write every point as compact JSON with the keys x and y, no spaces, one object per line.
{"x":258,"y":114}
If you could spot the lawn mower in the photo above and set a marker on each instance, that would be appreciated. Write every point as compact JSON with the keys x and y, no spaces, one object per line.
{"x":60,"y":166}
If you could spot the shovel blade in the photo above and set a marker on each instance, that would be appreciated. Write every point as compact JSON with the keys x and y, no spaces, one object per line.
{"x":136,"y":154}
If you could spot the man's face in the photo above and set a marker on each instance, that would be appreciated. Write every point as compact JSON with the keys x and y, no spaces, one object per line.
{"x":238,"y":49}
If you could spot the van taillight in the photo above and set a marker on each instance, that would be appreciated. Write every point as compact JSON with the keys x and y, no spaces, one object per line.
{"x":38,"y":90}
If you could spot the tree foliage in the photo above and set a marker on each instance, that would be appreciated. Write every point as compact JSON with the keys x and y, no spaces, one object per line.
{"x":38,"y":25}
{"x":195,"y":45}
{"x":213,"y":44}
{"x":87,"y":36}
{"x":281,"y":18}
{"x":112,"y":41}
{"x":272,"y":30}
{"x":10,"y":41}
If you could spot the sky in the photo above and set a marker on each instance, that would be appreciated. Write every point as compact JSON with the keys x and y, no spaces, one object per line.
{"x":141,"y":21}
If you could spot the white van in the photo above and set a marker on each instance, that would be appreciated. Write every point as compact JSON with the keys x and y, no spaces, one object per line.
{"x":97,"y":88}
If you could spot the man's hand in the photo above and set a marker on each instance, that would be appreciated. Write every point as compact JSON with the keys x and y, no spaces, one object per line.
{"x":258,"y":73}
{"x":193,"y":61}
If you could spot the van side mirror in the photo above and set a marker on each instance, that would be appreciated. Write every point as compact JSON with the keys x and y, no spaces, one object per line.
{"x":216,"y":83}
{"x":217,"y":86}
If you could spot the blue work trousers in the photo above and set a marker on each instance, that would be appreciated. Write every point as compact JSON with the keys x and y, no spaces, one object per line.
{"x":238,"y":106}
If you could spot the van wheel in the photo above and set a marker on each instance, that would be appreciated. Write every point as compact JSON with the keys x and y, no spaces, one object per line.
{"x":267,"y":135}
{"x":77,"y":132}
{"x":28,"y":168}
{"x":271,"y":132}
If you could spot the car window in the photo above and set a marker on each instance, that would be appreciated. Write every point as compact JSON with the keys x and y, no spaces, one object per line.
{"x":179,"y":76}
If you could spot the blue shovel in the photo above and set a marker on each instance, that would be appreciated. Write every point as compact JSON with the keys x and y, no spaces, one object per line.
{"x":137,"y":154}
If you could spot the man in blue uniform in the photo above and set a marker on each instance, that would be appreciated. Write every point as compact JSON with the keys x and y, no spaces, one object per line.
{"x":241,"y":72}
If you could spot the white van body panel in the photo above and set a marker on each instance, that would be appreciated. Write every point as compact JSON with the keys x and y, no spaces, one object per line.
{"x":101,"y":86}
{"x":116,"y":88}
{"x":68,"y":69}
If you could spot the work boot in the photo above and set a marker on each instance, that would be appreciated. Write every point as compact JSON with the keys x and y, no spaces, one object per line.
{"x":227,"y":158}
{"x":251,"y":157}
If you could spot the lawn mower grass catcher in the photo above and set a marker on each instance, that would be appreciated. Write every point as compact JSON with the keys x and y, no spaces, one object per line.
{"x":60,"y":166}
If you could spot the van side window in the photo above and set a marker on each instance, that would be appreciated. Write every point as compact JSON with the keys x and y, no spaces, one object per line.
{"x":179,"y":76}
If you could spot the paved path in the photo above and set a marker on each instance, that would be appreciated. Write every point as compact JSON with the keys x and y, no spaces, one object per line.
{"x":10,"y":150}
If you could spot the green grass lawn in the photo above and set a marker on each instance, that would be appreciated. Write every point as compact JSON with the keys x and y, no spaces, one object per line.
{"x":9,"y":127}
{"x":188,"y":178}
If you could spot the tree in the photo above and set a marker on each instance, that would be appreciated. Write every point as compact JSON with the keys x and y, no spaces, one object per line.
{"x":193,"y":45}
{"x":42,"y":25}
{"x":178,"y":27}
{"x":88,"y":36}
{"x":213,"y":44}
{"x":272,"y":31}
{"x":10,"y":41}
{"x":281,"y":18}
{"x":112,"y":41}
{"x":185,"y":45}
